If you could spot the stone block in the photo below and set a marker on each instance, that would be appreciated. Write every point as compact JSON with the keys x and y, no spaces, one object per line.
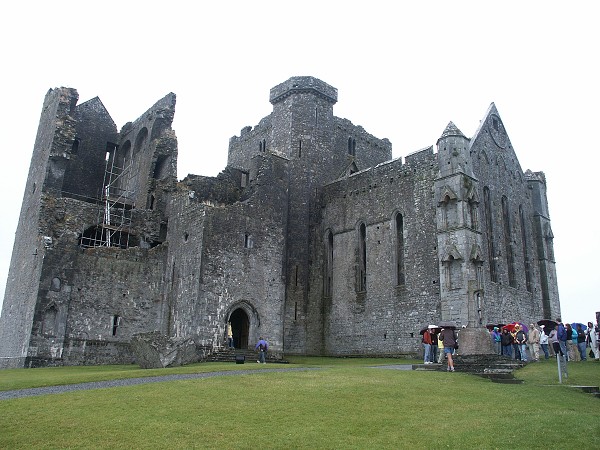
{"x":155,"y":350}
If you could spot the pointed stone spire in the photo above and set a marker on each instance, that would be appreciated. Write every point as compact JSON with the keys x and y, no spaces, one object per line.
{"x":451,"y":130}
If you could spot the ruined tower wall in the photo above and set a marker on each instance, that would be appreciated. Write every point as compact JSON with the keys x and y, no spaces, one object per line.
{"x":250,"y":143}
{"x":89,"y":302}
{"x":28,"y":251}
{"x":543,"y":236}
{"x":106,"y":304}
{"x":183,"y":275}
{"x":352,"y":143}
{"x":84,"y":174}
{"x":148,"y":151}
{"x":386,"y":317}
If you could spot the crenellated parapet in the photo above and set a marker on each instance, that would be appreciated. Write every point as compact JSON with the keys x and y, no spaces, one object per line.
{"x":300,"y":85}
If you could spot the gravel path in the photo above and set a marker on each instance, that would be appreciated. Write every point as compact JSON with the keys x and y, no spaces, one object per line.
{"x":20,"y":393}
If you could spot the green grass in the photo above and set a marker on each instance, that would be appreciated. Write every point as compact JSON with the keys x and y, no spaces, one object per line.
{"x":346,"y":404}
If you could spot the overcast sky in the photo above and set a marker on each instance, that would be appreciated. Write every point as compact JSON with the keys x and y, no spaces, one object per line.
{"x":402,"y":72}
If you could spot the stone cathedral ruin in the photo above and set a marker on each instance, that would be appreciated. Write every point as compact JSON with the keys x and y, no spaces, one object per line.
{"x":312,"y":236}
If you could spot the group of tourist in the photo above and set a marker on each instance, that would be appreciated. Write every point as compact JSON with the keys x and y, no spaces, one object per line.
{"x":576,"y":342}
{"x":439,"y":343}
{"x":573,"y":341}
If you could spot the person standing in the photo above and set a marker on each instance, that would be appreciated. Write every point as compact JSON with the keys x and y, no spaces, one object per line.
{"x":434,"y":346}
{"x":229,"y":336}
{"x":581,"y":342}
{"x":561,"y":337}
{"x":533,"y":341}
{"x":544,"y":342}
{"x":506,"y":341}
{"x":554,"y":342}
{"x":521,"y":341}
{"x":448,"y":337}
{"x":426,"y":341}
{"x":262,"y":346}
{"x":572,"y":343}
{"x":592,"y":339}
{"x":440,"y":345}
{"x":496,"y":340}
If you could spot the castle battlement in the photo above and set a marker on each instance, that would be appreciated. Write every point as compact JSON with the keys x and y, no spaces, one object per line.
{"x":303,"y":85}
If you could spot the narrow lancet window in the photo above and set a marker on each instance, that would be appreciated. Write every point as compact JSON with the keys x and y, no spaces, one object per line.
{"x":116,"y":321}
{"x":362,"y":258}
{"x":400,"y":277}
{"x":524,"y":244}
{"x":328,"y":276}
{"x":510,"y":260}
{"x":489,"y":228}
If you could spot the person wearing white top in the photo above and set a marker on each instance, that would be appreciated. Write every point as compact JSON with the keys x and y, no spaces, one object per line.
{"x":592,"y":339}
{"x":544,"y":342}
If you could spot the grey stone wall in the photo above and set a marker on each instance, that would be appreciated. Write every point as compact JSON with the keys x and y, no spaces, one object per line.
{"x":28,"y":252}
{"x":386,"y":318}
{"x":496,"y":167}
{"x":252,"y":244}
{"x":94,"y":130}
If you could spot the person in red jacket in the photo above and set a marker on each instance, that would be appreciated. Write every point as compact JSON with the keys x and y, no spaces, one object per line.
{"x":427,"y":346}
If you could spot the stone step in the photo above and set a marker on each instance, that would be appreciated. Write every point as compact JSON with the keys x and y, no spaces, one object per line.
{"x":241,"y":356}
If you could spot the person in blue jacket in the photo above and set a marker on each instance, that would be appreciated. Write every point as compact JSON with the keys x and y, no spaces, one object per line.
{"x":262,"y":346}
{"x":561,"y":336}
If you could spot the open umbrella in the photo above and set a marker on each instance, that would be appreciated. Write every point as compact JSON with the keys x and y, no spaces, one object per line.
{"x":447,"y":324}
{"x":511,"y":327}
{"x":431,"y":328}
{"x":491,"y":326}
{"x":549,"y":325}
{"x":574,"y":326}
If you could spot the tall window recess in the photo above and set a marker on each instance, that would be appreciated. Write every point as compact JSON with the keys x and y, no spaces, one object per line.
{"x":49,"y":320}
{"x":524,"y":244}
{"x":510,"y":257}
{"x":361,"y":273}
{"x":116,"y":322}
{"x":262,"y":146}
{"x":549,"y":238}
{"x":489,"y":228}
{"x":400,"y":275}
{"x":352,"y":146}
{"x":452,"y":268}
{"x":248,"y":241}
{"x":472,"y":210}
{"x":328,"y":275}
{"x":448,"y":207}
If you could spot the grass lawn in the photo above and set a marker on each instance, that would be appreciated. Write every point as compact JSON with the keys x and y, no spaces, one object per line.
{"x":347,"y":404}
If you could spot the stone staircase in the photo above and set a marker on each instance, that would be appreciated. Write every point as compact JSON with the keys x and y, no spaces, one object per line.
{"x":496,"y":368}
{"x":592,"y":390}
{"x":242,"y":356}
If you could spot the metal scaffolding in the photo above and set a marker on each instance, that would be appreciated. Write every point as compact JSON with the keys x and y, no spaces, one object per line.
{"x":117,"y":203}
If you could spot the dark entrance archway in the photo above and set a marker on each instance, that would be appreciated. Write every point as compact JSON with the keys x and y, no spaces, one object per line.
{"x":240,"y":325}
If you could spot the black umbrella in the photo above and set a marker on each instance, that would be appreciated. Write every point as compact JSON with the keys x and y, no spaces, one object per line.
{"x":447,"y":324}
{"x":548,"y":324}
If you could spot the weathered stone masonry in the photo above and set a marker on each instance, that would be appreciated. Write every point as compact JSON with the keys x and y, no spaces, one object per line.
{"x":312,"y":236}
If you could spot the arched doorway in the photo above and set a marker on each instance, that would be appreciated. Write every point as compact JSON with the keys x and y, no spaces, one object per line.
{"x":240,"y":325}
